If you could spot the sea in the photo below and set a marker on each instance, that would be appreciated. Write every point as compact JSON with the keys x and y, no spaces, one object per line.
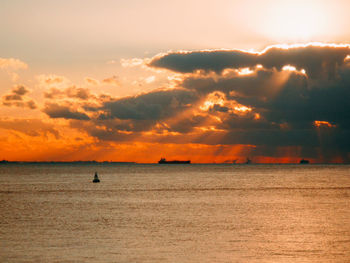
{"x":174,"y":213}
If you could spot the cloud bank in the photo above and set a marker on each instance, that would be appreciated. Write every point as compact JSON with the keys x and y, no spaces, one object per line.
{"x":316,"y":59}
{"x":285,"y":101}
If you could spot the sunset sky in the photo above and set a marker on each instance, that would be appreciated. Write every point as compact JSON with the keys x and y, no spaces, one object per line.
{"x":209,"y":81}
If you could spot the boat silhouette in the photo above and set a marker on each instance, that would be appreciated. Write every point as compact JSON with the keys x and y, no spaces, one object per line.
{"x":96,"y":179}
{"x":304,"y":161}
{"x":164,"y":161}
{"x":248,"y":161}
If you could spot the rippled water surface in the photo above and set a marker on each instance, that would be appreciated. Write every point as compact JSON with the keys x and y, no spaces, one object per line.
{"x":175,"y":213}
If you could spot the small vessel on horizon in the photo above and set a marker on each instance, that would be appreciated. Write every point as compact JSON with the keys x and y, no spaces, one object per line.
{"x":304,"y":161}
{"x":164,"y":161}
{"x":248,"y":161}
{"x":96,"y":179}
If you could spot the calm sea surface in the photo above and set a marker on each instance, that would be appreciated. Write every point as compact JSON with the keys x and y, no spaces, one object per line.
{"x":175,"y":213}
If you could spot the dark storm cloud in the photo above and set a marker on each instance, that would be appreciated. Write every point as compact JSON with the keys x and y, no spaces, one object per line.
{"x":317,"y":60}
{"x":204,"y":60}
{"x":155,"y":105}
{"x":54,"y":110}
{"x":17,"y":98}
{"x":126,"y":118}
{"x":104,"y":131}
{"x":186,"y":125}
{"x":288,"y":103}
{"x":259,"y":85}
{"x":297,"y":100}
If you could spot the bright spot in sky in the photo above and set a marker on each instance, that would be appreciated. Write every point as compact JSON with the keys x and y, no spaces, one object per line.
{"x":295,"y":20}
{"x":242,"y":108}
{"x":245,"y":71}
{"x":292,"y":68}
{"x":212,"y":99}
{"x":289,"y":68}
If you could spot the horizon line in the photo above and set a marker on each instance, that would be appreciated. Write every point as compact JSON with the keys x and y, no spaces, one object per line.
{"x":2,"y":162}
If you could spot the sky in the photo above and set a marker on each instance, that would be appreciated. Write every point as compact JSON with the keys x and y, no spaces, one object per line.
{"x":206,"y":81}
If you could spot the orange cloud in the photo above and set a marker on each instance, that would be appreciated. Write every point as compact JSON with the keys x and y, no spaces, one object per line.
{"x":91,"y":81}
{"x":17,"y":98}
{"x":114,"y":81}
{"x":29,"y":146}
{"x":35,"y":140}
{"x":12,"y":63}
{"x":30,"y":127}
{"x":47,"y":81}
{"x":323,"y":124}
{"x":217,"y":101}
{"x":71,"y":92}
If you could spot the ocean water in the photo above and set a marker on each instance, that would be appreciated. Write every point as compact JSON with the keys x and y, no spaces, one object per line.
{"x":175,"y":213}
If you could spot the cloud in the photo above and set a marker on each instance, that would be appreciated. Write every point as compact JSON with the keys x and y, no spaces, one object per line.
{"x":114,"y":81}
{"x":133,"y":62}
{"x":52,"y":80}
{"x":17,"y":98}
{"x":150,"y":79}
{"x":214,"y":60}
{"x":12,"y":63}
{"x":72,"y":102}
{"x":154,"y":105}
{"x":282,"y":97}
{"x":315,"y":58}
{"x":31,"y":127}
{"x":283,"y":101}
{"x":54,"y":110}
{"x":72,"y":92}
{"x":91,"y":81}
{"x":128,"y":118}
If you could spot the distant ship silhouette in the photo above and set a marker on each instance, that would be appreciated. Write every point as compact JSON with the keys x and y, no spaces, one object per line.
{"x":248,"y":161}
{"x":163,"y":161}
{"x":304,"y":161}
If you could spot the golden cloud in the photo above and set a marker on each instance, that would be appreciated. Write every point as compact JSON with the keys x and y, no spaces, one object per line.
{"x":12,"y":63}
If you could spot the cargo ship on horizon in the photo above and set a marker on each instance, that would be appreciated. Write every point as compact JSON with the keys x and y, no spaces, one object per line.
{"x":164,"y":161}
